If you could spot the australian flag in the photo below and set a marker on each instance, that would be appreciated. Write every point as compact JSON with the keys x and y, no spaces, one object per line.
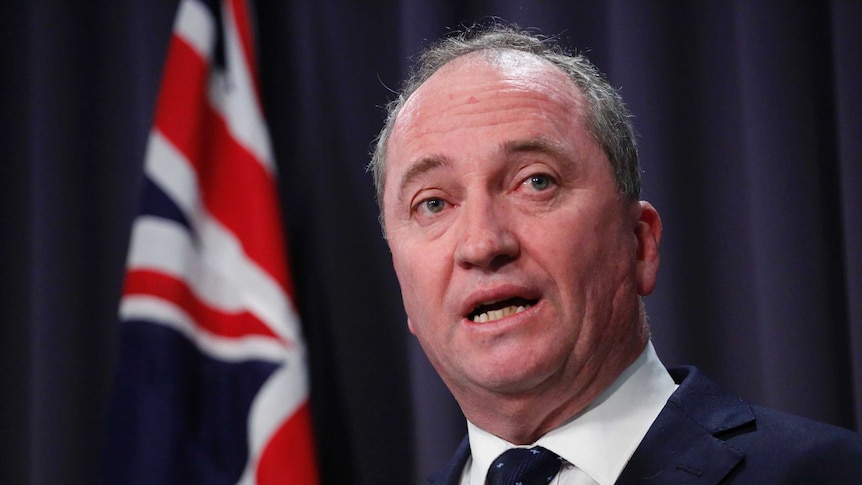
{"x":212,"y":382}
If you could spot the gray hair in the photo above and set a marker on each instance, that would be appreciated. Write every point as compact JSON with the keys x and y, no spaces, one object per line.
{"x":607,"y":118}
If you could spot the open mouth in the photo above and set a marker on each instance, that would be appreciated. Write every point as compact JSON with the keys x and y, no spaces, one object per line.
{"x":488,"y":312}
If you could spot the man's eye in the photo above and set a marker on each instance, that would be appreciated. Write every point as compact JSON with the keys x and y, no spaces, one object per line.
{"x":432,"y":205}
{"x":539,"y":181}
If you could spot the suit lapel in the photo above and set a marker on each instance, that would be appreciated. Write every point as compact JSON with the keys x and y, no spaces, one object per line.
{"x":684,"y":444}
{"x":451,"y":473}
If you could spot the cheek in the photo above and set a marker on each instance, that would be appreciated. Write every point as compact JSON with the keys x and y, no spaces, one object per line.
{"x":419,"y":281}
{"x":565,"y":254}
{"x":581,"y":263}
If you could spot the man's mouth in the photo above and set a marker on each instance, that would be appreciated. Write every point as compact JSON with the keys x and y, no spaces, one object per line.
{"x":491,"y":311}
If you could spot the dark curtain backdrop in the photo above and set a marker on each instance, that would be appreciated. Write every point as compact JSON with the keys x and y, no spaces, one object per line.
{"x":751,"y":144}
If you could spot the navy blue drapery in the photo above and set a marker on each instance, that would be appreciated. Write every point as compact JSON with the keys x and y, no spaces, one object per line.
{"x":751,"y":144}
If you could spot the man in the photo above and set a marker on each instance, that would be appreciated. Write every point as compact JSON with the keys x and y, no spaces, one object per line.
{"x":509,"y":189}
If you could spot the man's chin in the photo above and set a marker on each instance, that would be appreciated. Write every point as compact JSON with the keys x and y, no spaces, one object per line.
{"x":513,"y":381}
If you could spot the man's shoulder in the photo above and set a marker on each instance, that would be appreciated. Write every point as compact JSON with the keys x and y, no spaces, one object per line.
{"x":731,"y":417}
{"x":809,"y":451}
{"x":724,"y":435}
{"x":792,"y":430}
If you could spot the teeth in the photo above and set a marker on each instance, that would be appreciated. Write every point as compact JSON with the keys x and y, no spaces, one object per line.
{"x":492,"y":315}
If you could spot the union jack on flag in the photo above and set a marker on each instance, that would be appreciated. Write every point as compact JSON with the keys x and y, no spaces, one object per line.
{"x":212,"y":384}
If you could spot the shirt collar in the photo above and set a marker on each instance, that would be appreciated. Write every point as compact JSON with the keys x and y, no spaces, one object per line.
{"x":600,"y":439}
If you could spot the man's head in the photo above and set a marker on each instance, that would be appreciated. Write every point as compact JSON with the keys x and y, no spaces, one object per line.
{"x":521,"y":249}
{"x":606,"y":117}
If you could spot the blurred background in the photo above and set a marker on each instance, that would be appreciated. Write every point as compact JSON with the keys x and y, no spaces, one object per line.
{"x":750,"y":131}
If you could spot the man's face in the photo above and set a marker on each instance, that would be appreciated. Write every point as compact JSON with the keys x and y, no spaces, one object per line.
{"x":520,"y":264}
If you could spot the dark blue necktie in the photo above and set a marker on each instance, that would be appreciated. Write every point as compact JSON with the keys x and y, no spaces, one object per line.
{"x":523,"y":466}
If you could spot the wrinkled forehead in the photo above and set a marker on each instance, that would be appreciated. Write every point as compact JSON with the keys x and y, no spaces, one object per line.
{"x":456,"y":83}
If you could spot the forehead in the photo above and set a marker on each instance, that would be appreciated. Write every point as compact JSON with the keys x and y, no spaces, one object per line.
{"x":489,"y":95}
{"x":492,"y":74}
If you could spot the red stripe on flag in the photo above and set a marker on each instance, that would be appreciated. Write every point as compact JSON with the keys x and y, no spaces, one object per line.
{"x":239,"y":192}
{"x":166,"y":287}
{"x":183,"y":98}
{"x":237,"y":189}
{"x":289,"y":455}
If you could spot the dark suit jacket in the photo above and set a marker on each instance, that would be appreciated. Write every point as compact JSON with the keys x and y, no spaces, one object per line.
{"x":705,"y":435}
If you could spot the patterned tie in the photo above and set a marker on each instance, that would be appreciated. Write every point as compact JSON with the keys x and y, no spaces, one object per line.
{"x":522,"y":466}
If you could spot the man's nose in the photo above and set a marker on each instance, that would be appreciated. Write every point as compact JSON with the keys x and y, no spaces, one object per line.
{"x":486,"y":239}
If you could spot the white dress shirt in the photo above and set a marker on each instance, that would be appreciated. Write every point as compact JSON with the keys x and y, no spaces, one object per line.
{"x":596,"y":443}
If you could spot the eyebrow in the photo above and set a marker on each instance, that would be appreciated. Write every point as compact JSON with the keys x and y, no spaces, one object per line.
{"x":421,"y":167}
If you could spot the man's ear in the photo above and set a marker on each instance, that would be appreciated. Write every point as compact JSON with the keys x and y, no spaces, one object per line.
{"x":648,"y":235}
{"x":410,"y":327}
